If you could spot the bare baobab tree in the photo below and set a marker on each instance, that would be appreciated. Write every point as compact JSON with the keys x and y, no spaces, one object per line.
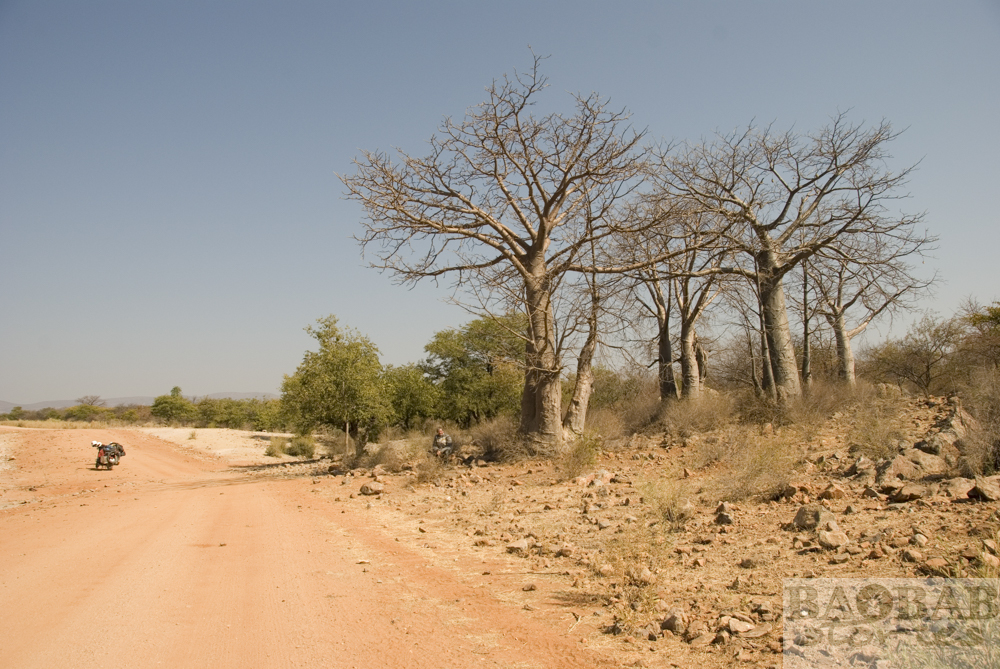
{"x":509,"y":203}
{"x":785,"y":197}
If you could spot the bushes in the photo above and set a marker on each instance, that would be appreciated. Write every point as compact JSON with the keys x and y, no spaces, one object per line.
{"x":300,"y":446}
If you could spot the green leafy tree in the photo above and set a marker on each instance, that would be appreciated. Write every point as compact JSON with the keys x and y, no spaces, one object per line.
{"x":413,"y":394}
{"x":174,"y":408}
{"x":341,"y":385}
{"x":478,"y":368}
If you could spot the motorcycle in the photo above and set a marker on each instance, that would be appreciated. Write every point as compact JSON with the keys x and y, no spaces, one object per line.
{"x":108,"y":455}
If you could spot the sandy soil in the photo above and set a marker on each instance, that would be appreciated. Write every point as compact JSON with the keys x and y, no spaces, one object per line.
{"x":200,"y":551}
{"x":177,"y":559}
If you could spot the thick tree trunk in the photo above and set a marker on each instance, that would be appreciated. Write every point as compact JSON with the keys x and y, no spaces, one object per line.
{"x":766,"y":373}
{"x":690,"y":376}
{"x":845,"y":354}
{"x":541,"y":401}
{"x":665,"y":364}
{"x":576,"y":414}
{"x":784,"y":366}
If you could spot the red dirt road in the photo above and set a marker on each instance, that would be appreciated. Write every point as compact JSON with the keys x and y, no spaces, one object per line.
{"x":173,"y":559}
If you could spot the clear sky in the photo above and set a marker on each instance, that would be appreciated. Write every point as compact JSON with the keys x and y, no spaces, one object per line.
{"x":170,"y":212}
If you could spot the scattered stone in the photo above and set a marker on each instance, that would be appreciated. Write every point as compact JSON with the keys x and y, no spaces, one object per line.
{"x":911,"y":555}
{"x":529,"y":587}
{"x":985,"y":491}
{"x":676,"y":621}
{"x":702,"y":639}
{"x":724,"y":519}
{"x":899,"y":468}
{"x":737,"y":626}
{"x":832,"y":491}
{"x":935,"y":566}
{"x":757,"y":632}
{"x":519,"y":546}
{"x":373,"y":488}
{"x":840,"y":558}
{"x":908,"y":493}
{"x":811,"y":517}
{"x":957,"y":487}
{"x":833,"y":539}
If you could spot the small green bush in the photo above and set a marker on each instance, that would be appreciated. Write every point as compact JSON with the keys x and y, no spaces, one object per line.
{"x":301,"y":446}
{"x":276,"y":447}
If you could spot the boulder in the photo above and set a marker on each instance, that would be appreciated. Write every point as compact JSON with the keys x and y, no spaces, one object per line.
{"x":899,"y":468}
{"x":810,"y":517}
{"x":985,"y":491}
{"x":908,"y":493}
{"x":833,"y":539}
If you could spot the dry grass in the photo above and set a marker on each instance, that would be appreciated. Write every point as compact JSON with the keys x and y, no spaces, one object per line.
{"x":631,"y":559}
{"x":580,"y":458}
{"x":877,"y":427}
{"x":684,"y":418}
{"x":668,"y":502}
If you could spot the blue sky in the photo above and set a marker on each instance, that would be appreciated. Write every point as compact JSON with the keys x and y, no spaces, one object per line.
{"x":170,"y":212}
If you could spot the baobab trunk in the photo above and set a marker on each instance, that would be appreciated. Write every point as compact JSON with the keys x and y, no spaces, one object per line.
{"x":541,"y":400}
{"x":779,"y":340}
{"x":845,"y":354}
{"x":576,"y":414}
{"x":665,"y":365}
{"x":690,"y":376}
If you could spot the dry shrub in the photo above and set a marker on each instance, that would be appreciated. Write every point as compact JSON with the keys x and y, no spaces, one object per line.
{"x":633,"y":557}
{"x":395,"y":456}
{"x":981,"y":447}
{"x":607,"y":422}
{"x":684,"y":418}
{"x":429,"y":470}
{"x":276,"y":447}
{"x":668,"y":502}
{"x":499,"y":440}
{"x":641,"y":409}
{"x":877,"y":426}
{"x":754,"y":465}
{"x":820,"y":401}
{"x":581,"y":457}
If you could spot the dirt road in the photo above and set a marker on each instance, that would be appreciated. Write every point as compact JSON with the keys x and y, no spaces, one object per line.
{"x":175,"y":559}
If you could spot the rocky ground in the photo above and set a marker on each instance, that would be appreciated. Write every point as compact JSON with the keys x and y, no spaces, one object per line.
{"x":650,"y":559}
{"x":645,"y":556}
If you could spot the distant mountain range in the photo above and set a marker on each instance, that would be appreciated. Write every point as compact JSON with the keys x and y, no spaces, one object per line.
{"x":5,"y":407}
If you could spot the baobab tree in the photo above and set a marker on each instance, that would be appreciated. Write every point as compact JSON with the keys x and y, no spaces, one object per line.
{"x":506,"y":203}
{"x":784,"y":197}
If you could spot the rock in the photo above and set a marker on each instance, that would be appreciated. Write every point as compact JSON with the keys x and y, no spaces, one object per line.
{"x":373,"y":488}
{"x":871,"y":493}
{"x":833,"y":539}
{"x":724,"y":519}
{"x":935,"y":566}
{"x":908,"y":493}
{"x":832,"y":491}
{"x":957,"y":487}
{"x":988,"y":560}
{"x":929,"y":464}
{"x":529,"y":587}
{"x":911,"y":555}
{"x":676,"y":621}
{"x":898,"y":469}
{"x":985,"y":491}
{"x":811,"y":517}
{"x":751,"y":562}
{"x":757,"y":632}
{"x":702,"y":639}
{"x":862,"y":464}
{"x":737,"y":626}
{"x":519,"y":546}
{"x":919,"y":539}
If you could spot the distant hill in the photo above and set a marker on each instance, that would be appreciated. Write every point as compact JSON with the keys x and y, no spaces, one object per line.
{"x":5,"y":407}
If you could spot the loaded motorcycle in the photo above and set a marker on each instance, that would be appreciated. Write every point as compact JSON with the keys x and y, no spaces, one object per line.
{"x":108,"y":455}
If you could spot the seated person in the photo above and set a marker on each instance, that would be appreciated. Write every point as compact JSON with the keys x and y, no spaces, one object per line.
{"x":442,"y":445}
